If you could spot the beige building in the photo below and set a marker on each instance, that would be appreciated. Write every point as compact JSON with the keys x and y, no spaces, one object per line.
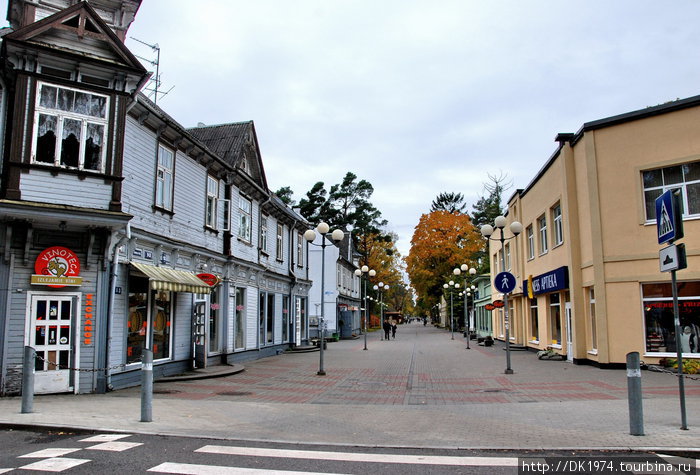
{"x":589,"y":247}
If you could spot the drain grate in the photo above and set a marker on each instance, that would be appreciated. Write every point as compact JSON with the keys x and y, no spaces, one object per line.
{"x":234,"y":393}
{"x":494,"y":390}
{"x":166,"y":391}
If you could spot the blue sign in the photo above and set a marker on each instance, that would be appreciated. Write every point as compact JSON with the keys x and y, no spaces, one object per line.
{"x":551,"y":281}
{"x":669,"y":223}
{"x":504,"y":282}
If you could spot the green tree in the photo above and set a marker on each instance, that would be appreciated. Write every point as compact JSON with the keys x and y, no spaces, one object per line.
{"x":315,"y":207}
{"x":285,"y":194}
{"x":485,"y":211}
{"x":450,"y":202}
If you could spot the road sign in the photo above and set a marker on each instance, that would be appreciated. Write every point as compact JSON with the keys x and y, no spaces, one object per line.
{"x":669,"y":222}
{"x":672,"y":258}
{"x":505,"y":282}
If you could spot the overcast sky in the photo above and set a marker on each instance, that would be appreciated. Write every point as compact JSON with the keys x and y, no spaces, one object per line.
{"x":416,"y":96}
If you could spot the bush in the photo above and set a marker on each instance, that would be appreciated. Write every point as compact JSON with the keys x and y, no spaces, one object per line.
{"x":689,"y":366}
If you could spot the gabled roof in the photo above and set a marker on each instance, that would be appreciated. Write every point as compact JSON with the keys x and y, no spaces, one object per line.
{"x":234,"y":142}
{"x":77,"y":30}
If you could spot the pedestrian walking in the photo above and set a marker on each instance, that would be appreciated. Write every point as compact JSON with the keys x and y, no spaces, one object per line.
{"x":387,"y":329}
{"x":393,"y":329}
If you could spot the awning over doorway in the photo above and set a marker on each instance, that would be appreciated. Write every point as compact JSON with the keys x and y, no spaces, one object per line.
{"x":162,"y":278}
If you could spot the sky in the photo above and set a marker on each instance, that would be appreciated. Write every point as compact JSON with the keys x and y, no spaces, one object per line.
{"x":418,"y":97}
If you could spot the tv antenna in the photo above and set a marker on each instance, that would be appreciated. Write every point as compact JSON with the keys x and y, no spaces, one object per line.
{"x":155,"y":82}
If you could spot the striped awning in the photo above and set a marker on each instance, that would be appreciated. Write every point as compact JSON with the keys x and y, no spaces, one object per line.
{"x":163,"y":278}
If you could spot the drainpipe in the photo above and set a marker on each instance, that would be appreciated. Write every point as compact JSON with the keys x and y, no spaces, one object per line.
{"x":260,"y":214}
{"x":110,"y":300}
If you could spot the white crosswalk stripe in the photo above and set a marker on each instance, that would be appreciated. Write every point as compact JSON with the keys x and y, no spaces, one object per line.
{"x":55,"y":464}
{"x":114,"y":446}
{"x":194,"y":469}
{"x":361,"y":457}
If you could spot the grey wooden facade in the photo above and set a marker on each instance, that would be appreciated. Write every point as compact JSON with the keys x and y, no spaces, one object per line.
{"x":139,"y":201}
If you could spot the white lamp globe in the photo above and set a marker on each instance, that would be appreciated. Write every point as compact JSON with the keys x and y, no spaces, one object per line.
{"x":486,"y":230}
{"x":358,"y":272}
{"x":309,"y":235}
{"x":500,"y":222}
{"x":456,"y":272}
{"x":338,"y":235}
{"x":323,"y":228}
{"x":365,"y":269}
{"x":516,"y":227}
{"x":372,"y":272}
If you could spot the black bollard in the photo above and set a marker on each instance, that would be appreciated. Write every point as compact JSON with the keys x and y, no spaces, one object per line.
{"x":634,"y":394}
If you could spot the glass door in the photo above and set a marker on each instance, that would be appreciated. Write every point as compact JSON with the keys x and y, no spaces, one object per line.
{"x":569,"y":334}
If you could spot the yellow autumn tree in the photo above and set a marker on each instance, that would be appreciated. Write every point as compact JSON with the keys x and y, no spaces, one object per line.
{"x":441,"y":242}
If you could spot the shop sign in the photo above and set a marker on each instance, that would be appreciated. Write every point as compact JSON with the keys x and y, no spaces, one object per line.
{"x":498,"y":304}
{"x":490,"y":307}
{"x":552,"y":281}
{"x":210,"y":279}
{"x":88,"y":328}
{"x":57,"y":267}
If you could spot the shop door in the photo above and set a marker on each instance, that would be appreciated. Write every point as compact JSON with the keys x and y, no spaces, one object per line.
{"x":51,"y":334}
{"x":199,"y":337}
{"x":569,"y":334}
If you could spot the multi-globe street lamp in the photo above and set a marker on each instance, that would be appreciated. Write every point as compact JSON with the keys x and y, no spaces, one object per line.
{"x":451,"y":286}
{"x":467,"y":293}
{"x":364,"y":270}
{"x":337,"y":236}
{"x":487,"y":230}
{"x":381,"y":287}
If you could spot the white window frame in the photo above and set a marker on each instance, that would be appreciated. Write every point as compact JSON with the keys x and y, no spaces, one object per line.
{"x":530,"y":242}
{"x":212,"y":201}
{"x":300,"y":250}
{"x":651,"y":192}
{"x":542,"y":231}
{"x":165,"y":178}
{"x":591,"y":316}
{"x":263,"y":233}
{"x":279,"y":248}
{"x":245,"y":221}
{"x":62,"y":116}
{"x":558,"y":225}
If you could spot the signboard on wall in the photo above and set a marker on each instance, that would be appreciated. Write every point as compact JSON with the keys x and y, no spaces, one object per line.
{"x":551,"y":281}
{"x":57,"y":267}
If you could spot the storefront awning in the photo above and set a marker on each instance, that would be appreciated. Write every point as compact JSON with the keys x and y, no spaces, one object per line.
{"x":162,"y":278}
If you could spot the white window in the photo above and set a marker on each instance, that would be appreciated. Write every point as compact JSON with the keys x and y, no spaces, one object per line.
{"x":212,"y":198}
{"x":245,"y":224}
{"x":542,"y":224}
{"x":300,"y":250}
{"x":530,"y":242}
{"x":280,"y":242}
{"x":263,"y":234}
{"x":558,"y":228}
{"x":685,"y":177}
{"x":70,"y":128}
{"x":591,"y":314}
{"x":164,"y":178}
{"x":226,"y":208}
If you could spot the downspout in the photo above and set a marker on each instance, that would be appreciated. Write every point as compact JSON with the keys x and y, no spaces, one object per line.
{"x":110,"y":300}
{"x":260,"y":214}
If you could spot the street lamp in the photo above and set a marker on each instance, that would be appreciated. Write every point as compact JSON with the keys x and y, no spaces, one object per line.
{"x":380,"y":287}
{"x":467,"y":317}
{"x":451,"y":285}
{"x":487,"y":230}
{"x":337,"y":236}
{"x":359,"y":272}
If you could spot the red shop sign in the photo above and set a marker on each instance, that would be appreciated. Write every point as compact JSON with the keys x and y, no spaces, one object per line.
{"x":57,"y":267}
{"x":498,"y":303}
{"x":489,"y":307}
{"x":210,"y":279}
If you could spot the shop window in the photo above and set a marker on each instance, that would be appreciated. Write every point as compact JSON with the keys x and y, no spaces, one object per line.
{"x":555,"y":320}
{"x":245,"y":224}
{"x":240,"y":322}
{"x":542,"y":229}
{"x":591,"y":317}
{"x":684,"y":177}
{"x":164,"y":178}
{"x":286,"y":321}
{"x":558,"y":235}
{"x":70,"y":128}
{"x":140,"y":322}
{"x":534,"y":322}
{"x":530,"y":242}
{"x":214,"y":321}
{"x":660,"y":330}
{"x":302,"y":318}
{"x":270,"y":323}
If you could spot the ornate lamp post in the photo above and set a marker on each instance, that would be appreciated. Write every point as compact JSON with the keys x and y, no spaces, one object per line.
{"x":380,"y":287}
{"x":451,"y":286}
{"x":467,"y":317}
{"x":337,"y":236}
{"x":487,"y":230}
{"x":359,"y":272}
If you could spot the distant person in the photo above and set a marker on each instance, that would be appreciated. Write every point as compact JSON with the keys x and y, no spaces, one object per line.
{"x":387,"y":329}
{"x":393,"y":329}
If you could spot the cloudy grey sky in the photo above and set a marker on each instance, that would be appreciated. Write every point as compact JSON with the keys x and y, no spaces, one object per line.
{"x":416,"y":96}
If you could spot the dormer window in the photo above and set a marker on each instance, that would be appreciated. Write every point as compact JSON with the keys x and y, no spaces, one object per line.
{"x":244,"y":164}
{"x":70,"y":128}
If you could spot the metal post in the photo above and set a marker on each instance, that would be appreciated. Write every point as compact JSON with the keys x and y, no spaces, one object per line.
{"x":365,"y":300}
{"x":28,"y":380}
{"x":506,"y":321}
{"x":452,"y":317}
{"x":634,"y":394}
{"x":466,"y":315}
{"x":679,"y":351}
{"x":147,"y":386}
{"x":381,"y":311}
{"x":321,"y":324}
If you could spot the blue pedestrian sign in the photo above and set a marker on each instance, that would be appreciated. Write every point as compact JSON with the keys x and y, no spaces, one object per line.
{"x":504,"y":282}
{"x":669,"y":223}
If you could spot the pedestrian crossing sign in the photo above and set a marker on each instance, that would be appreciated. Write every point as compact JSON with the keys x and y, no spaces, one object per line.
{"x":669,"y":223}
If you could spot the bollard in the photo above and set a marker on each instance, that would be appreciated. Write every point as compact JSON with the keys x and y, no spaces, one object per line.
{"x":147,"y":386}
{"x":28,"y":380}
{"x":634,"y":394}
